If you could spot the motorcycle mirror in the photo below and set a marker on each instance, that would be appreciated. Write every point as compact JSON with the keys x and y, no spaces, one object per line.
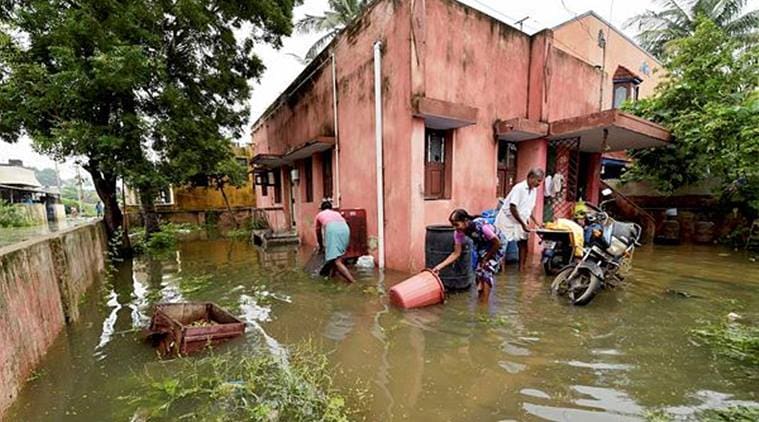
{"x":606,"y":192}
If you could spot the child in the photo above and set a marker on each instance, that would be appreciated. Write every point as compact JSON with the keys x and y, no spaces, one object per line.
{"x":489,"y":243}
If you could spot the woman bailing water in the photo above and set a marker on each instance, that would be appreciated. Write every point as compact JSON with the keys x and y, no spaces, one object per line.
{"x":489,"y":243}
{"x":333,"y":236}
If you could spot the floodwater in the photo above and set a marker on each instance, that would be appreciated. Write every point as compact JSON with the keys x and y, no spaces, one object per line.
{"x":525,"y":356}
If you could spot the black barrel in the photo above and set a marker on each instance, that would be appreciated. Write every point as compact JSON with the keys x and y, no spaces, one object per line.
{"x":438,"y":244}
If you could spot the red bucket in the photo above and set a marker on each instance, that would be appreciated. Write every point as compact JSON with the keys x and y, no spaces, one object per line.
{"x":420,"y":290}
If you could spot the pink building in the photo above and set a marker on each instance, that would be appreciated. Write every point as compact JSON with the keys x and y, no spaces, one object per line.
{"x":453,"y":106}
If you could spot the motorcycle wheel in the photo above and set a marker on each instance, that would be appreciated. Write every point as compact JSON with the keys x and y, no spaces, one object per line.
{"x":560,"y":284}
{"x":550,"y":268}
{"x":583,"y":288}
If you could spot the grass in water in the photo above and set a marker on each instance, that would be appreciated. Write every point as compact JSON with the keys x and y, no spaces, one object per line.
{"x":730,"y":414}
{"x":733,"y":339}
{"x":231,"y":387}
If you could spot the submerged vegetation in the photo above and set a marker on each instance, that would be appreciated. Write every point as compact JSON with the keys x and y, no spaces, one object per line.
{"x":733,"y":339}
{"x":729,"y":414}
{"x":230,"y":386}
{"x":164,"y":239}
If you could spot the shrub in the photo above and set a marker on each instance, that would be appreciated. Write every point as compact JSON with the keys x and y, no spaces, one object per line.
{"x":13,"y":216}
{"x":242,"y":387}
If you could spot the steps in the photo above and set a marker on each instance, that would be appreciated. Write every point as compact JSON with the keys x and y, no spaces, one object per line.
{"x":267,"y":238}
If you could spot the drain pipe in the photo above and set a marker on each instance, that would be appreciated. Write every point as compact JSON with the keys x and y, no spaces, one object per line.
{"x":379,"y":152}
{"x":337,"y":133}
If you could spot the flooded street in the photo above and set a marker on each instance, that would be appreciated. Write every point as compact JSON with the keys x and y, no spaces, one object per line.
{"x":526,"y":356}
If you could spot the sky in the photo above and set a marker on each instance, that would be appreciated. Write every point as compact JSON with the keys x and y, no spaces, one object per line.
{"x":282,"y":67}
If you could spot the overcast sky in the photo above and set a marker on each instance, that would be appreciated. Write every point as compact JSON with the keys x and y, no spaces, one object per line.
{"x":283,"y":68}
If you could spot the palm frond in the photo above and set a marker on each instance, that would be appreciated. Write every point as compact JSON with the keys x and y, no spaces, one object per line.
{"x":729,"y":10}
{"x":310,"y":23}
{"x":319,"y":45}
{"x":746,"y":24}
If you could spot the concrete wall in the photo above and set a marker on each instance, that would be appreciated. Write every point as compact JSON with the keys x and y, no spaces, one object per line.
{"x":305,"y":111}
{"x":486,"y":66}
{"x":35,"y":212}
{"x":41,"y":284}
{"x":579,"y":38}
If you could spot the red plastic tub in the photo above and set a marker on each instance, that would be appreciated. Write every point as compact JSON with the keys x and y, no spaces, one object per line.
{"x":423,"y":289}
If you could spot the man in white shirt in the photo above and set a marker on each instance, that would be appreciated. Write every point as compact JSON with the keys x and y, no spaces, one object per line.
{"x":514,"y":216}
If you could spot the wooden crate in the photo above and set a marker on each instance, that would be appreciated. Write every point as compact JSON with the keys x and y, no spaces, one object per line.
{"x":174,"y":334}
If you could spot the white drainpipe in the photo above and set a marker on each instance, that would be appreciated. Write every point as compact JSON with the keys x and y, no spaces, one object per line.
{"x":337,"y":133}
{"x":379,"y":153}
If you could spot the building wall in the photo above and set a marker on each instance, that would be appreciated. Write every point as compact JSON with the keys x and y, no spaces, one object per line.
{"x":459,"y":70}
{"x":580,"y":39}
{"x":41,"y":284}
{"x":306,"y":112}
{"x":498,"y":70}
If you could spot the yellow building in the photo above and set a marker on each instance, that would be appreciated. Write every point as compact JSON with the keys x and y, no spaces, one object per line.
{"x":202,"y":204}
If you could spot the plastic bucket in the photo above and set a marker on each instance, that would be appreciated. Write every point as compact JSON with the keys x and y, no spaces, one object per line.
{"x":420,"y":290}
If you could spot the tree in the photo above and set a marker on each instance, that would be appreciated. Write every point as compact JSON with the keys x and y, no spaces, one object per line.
{"x":121,"y":86}
{"x":710,"y":101}
{"x":47,"y":176}
{"x":677,"y":20}
{"x":340,"y":15}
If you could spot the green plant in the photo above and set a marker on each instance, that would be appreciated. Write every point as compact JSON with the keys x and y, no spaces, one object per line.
{"x":237,"y":233}
{"x":732,"y":339}
{"x":713,"y":116}
{"x":13,"y":216}
{"x":730,"y":414}
{"x":234,"y":386}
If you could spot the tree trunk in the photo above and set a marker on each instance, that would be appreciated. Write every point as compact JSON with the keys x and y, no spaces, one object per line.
{"x":149,"y":215}
{"x":229,"y":208}
{"x":113,"y":218}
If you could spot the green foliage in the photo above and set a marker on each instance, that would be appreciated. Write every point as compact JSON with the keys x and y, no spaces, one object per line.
{"x":237,"y":233}
{"x":658,"y":415}
{"x":46,"y":176}
{"x":13,"y":216}
{"x":678,"y":19}
{"x":733,"y":339}
{"x":730,"y":414}
{"x":161,"y":241}
{"x":340,"y":14}
{"x":243,"y":387}
{"x":148,"y":90}
{"x":709,"y":100}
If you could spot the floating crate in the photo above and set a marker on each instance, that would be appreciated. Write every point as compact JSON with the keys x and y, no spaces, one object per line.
{"x":175,"y":330}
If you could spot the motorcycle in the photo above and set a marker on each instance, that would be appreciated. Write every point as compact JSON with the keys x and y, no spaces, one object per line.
{"x":562,"y":242}
{"x":611,"y":247}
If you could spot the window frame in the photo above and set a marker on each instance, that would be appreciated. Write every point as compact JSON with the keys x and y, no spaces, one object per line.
{"x":444,"y":168}
{"x":327,"y":174}
{"x":308,"y":179}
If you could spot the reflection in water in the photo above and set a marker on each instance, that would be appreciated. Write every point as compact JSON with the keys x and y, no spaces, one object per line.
{"x":526,"y":356}
{"x":109,"y":323}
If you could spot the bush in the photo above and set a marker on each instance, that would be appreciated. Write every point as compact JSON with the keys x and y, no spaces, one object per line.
{"x":242,"y":387}
{"x":13,"y":216}
{"x":161,"y":241}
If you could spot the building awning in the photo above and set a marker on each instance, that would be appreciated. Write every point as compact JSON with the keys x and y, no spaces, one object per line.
{"x":439,"y":114}
{"x":519,"y":129}
{"x":267,"y":160}
{"x":622,"y":131}
{"x":298,"y":152}
{"x":309,"y":148}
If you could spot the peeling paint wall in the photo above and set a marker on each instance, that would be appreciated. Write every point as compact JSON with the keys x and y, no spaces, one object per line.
{"x":42,"y":282}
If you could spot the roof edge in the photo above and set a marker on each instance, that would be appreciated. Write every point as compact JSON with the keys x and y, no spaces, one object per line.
{"x":611,"y":26}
